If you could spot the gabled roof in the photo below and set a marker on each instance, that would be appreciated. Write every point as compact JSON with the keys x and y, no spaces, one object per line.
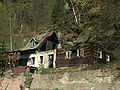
{"x":38,"y":38}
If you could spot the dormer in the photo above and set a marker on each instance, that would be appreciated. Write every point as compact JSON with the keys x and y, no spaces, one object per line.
{"x":33,"y":42}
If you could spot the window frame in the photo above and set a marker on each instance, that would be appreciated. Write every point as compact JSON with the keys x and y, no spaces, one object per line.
{"x":68,"y":54}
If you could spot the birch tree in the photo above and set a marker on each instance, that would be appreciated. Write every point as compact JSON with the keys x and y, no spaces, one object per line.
{"x":78,"y":7}
{"x":74,"y":11}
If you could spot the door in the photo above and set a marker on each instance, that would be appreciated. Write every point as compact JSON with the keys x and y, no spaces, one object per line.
{"x":51,"y":59}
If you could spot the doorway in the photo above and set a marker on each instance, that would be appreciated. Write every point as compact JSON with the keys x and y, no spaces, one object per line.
{"x":51,"y":59}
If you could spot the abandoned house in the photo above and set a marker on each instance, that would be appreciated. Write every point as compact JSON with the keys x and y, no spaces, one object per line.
{"x":42,"y":52}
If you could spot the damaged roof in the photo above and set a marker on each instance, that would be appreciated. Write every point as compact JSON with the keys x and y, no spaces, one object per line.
{"x":38,"y":38}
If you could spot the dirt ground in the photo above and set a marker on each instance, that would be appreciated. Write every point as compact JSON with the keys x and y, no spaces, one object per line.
{"x":12,"y":83}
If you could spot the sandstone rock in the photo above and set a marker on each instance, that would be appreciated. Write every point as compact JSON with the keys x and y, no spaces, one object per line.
{"x":83,"y":80}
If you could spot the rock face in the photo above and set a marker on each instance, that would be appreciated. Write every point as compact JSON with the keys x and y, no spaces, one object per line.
{"x":83,"y":80}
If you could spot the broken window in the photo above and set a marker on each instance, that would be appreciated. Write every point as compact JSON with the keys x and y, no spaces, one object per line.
{"x":68,"y":54}
{"x":33,"y":60}
{"x":41,"y":59}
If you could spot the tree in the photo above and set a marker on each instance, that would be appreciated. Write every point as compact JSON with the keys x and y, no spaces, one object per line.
{"x":2,"y":50}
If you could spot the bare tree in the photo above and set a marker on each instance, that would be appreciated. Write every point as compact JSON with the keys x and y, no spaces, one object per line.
{"x":11,"y":39}
{"x":74,"y":12}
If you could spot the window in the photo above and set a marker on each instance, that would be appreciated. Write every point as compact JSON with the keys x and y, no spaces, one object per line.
{"x":33,"y":42}
{"x":33,"y":60}
{"x":78,"y":52}
{"x":41,"y":59}
{"x":100,"y":54}
{"x":107,"y":58}
{"x":51,"y":56}
{"x":68,"y":54}
{"x":81,"y":52}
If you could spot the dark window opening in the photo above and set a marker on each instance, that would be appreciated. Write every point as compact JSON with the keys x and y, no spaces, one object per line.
{"x":41,"y":59}
{"x":73,"y":53}
{"x":33,"y":42}
{"x":33,"y":60}
{"x":51,"y":58}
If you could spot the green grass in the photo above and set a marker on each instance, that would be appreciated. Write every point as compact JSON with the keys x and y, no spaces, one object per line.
{"x":57,"y":70}
{"x":56,"y":89}
{"x":94,"y":67}
{"x":105,"y":67}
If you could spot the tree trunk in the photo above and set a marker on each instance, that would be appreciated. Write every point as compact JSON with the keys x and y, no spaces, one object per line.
{"x":11,"y":45}
{"x":74,"y":12}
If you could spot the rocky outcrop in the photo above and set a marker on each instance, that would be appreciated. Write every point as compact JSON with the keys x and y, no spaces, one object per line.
{"x":82,"y":80}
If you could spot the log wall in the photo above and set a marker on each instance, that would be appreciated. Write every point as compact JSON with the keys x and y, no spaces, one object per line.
{"x":62,"y":62}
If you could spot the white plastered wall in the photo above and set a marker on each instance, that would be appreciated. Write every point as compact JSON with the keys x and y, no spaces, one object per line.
{"x":45,"y":55}
{"x":36,"y":60}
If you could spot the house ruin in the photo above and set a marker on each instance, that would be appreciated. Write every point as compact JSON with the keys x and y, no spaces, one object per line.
{"x":42,"y":52}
